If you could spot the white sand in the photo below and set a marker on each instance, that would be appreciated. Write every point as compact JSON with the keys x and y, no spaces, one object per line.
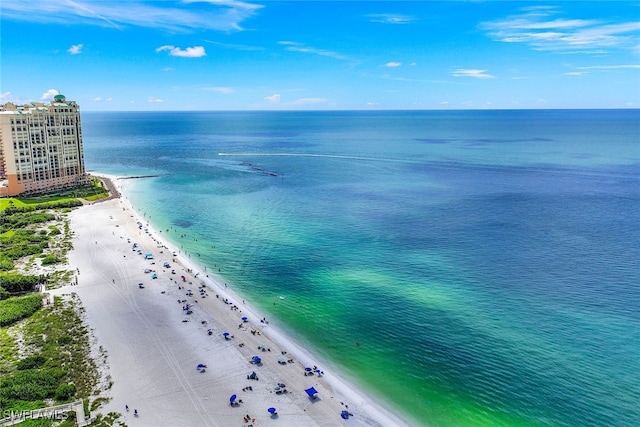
{"x":153,"y":352}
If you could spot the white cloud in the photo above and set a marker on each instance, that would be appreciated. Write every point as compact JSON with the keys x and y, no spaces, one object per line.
{"x":220,"y":89}
{"x":299,"y":47}
{"x":5,"y":97}
{"x":75,"y":49}
{"x":48,"y":95}
{"x":388,"y":18}
{"x":275,"y":98}
{"x":478,"y":74}
{"x":393,"y":64}
{"x":581,"y":71}
{"x":220,"y":15}
{"x":153,"y":100}
{"x":190,"y":52}
{"x":610,"y":67}
{"x":540,"y":29}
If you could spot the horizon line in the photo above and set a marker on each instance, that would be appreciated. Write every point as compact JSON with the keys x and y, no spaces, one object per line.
{"x":365,"y":110}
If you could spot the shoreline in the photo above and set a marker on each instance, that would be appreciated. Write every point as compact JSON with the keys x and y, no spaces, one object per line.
{"x":294,"y":408}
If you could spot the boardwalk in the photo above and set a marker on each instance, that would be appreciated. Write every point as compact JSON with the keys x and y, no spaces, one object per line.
{"x":58,"y":412}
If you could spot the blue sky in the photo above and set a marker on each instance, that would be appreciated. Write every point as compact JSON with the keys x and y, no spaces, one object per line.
{"x":319,"y":55}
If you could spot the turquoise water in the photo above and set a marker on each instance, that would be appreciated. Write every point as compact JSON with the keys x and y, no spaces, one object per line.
{"x":470,"y":268}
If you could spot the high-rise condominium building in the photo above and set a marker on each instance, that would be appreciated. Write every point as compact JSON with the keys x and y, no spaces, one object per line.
{"x":40,"y":147}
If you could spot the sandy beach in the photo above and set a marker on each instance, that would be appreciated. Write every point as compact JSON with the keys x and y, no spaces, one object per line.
{"x":156,"y":335}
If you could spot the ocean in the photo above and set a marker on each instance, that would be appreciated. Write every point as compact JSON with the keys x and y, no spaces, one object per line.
{"x":465,"y":268}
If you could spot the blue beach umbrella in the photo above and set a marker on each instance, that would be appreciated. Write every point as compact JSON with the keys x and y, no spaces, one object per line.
{"x":232,"y":398}
{"x":272,"y":411}
{"x":225,"y":334}
{"x":256,"y":359}
{"x":311,"y":392}
{"x":244,"y":319}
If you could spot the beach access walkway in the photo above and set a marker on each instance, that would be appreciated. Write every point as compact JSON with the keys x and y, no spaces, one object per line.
{"x":58,"y":412}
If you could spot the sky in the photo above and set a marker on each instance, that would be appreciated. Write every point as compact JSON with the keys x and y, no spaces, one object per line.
{"x":165,"y":55}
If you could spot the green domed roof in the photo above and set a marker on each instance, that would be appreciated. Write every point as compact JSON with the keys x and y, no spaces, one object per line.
{"x":59,"y":97}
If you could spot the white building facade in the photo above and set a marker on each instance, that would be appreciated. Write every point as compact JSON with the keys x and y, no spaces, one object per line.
{"x":40,"y":147}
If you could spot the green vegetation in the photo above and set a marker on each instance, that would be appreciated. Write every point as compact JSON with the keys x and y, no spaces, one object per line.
{"x":8,"y":351}
{"x":31,"y":384}
{"x":94,"y":190}
{"x":28,"y":231}
{"x":58,"y":366}
{"x":15,"y":283}
{"x":51,"y":259}
{"x":17,"y":308}
{"x":44,"y":352}
{"x":31,"y":362}
{"x":110,"y":420}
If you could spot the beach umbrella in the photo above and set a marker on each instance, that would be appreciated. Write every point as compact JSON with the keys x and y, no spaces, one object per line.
{"x":282,"y":359}
{"x":311,"y":392}
{"x":244,"y":319}
{"x":307,"y":369}
{"x":282,"y":385}
{"x":232,"y":398}
{"x":256,"y":359}
{"x":272,"y":411}
{"x":276,"y":388}
{"x":225,"y":334}
{"x":201,"y":365}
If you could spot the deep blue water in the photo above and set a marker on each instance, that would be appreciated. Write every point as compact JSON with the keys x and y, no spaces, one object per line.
{"x":487,"y":262}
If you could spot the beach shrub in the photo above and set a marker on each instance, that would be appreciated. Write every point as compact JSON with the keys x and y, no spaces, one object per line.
{"x":40,"y":204}
{"x":17,"y":308}
{"x":54,"y":231}
{"x":51,"y":259}
{"x":59,"y":334}
{"x":31,"y":362}
{"x":38,"y":422}
{"x":20,"y":405}
{"x":32,"y":384}
{"x":64,"y":340}
{"x":22,"y":250}
{"x":65,"y":392}
{"x":22,"y":219}
{"x":17,"y":283}
{"x":6,"y":263}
